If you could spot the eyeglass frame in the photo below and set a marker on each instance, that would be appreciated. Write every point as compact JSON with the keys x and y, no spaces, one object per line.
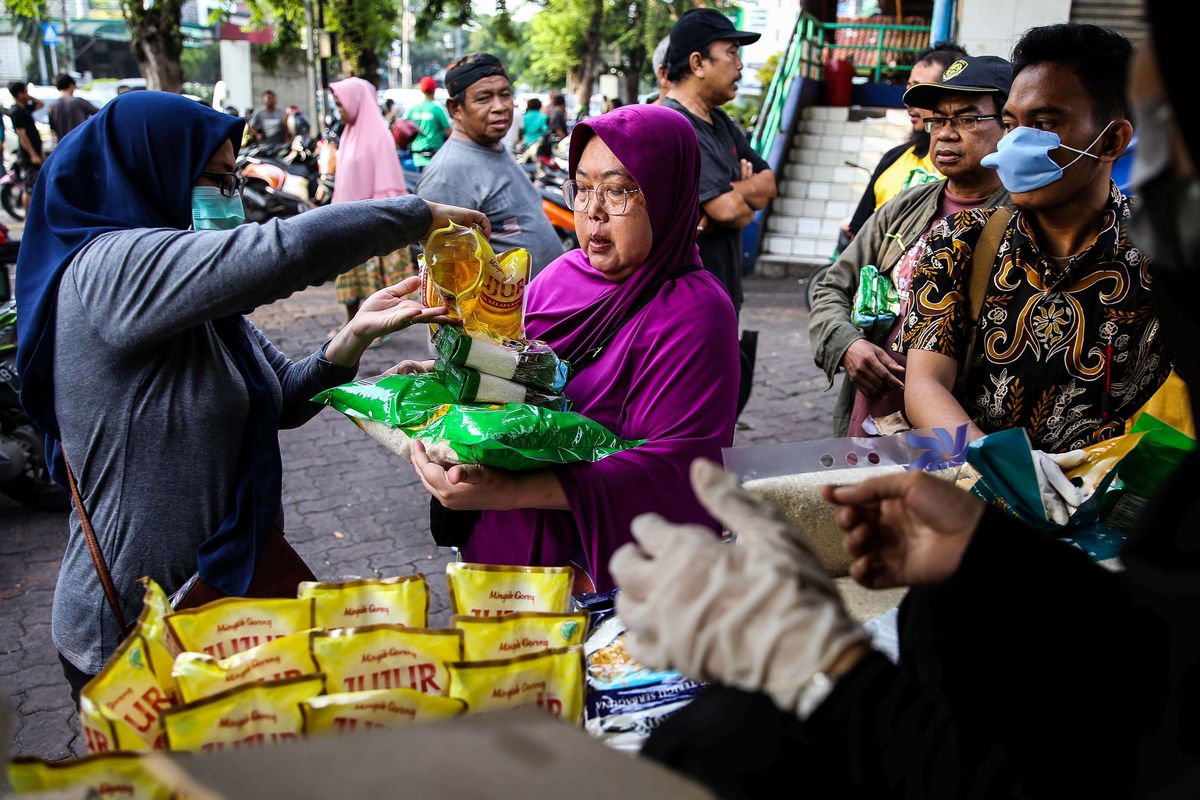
{"x":572,"y":187}
{"x":953,"y":122}
{"x":223,"y":179}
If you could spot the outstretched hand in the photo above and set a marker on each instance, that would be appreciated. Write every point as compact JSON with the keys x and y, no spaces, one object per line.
{"x":443,"y":215}
{"x":387,"y":311}
{"x":908,"y":529}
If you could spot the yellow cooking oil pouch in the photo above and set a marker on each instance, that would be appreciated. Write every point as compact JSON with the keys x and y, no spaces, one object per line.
{"x":488,"y":638}
{"x":354,"y":604}
{"x":552,"y":680}
{"x":386,"y":657}
{"x":199,"y":675}
{"x":385,"y":708}
{"x":111,"y":776}
{"x":253,"y":715}
{"x":121,"y":708}
{"x":234,"y":624}
{"x":489,"y":590}
{"x":151,"y":625}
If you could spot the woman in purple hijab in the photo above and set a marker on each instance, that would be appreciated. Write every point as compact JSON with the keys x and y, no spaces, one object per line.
{"x":667,"y":373}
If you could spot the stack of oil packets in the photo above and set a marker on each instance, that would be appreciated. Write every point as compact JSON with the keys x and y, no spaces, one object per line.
{"x":339,"y":657}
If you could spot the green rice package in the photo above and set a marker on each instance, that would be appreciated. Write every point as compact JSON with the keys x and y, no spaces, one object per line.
{"x":398,"y":408}
{"x":530,"y":362}
{"x":472,"y":386}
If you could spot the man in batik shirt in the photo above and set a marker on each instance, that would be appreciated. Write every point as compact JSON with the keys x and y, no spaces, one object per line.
{"x":1067,"y":344}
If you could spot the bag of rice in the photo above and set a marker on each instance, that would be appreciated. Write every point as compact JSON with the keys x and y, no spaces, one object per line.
{"x":233,"y":624}
{"x":253,"y":715}
{"x":111,"y":776}
{"x":386,"y":657}
{"x":199,"y":675}
{"x":385,"y":708}
{"x":122,"y":707}
{"x":524,"y":361}
{"x":519,"y":634}
{"x":402,"y":600}
{"x":552,"y":680}
{"x":471,"y":386}
{"x":492,"y":590}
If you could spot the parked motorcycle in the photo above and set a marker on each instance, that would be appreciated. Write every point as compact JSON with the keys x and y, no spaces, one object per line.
{"x":12,"y":192}
{"x":24,"y":476}
{"x":279,"y":180}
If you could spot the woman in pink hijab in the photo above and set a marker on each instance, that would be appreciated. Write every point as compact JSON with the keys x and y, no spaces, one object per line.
{"x":367,"y":169}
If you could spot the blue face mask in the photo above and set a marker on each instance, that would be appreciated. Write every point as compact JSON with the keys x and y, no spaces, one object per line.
{"x":1023,"y":158}
{"x":213,"y":211}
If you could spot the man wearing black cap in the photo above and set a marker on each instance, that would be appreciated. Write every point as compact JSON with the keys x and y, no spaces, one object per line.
{"x":703,"y":67}
{"x":964,"y":127}
{"x":472,"y":169}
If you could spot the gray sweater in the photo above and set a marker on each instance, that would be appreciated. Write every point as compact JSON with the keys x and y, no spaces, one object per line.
{"x":151,"y":406}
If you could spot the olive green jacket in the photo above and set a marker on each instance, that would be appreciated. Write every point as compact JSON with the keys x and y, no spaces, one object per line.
{"x":885,"y":237}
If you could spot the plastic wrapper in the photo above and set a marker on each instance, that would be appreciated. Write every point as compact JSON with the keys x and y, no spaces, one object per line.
{"x":513,"y":437}
{"x":199,"y":675}
{"x":790,"y":476}
{"x":109,"y":776}
{"x":532,"y":363}
{"x":253,"y":715}
{"x":233,"y":624}
{"x":876,"y":303}
{"x":387,"y":657}
{"x":369,"y":601}
{"x":552,"y":680}
{"x":485,"y":291}
{"x":121,"y":708}
{"x":489,"y":638}
{"x":151,"y":625}
{"x":1160,"y":449}
{"x":625,"y":700}
{"x":471,"y":386}
{"x":491,"y":590}
{"x":348,"y":712}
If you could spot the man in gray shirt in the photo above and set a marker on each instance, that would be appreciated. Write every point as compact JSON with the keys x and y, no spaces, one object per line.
{"x":473,"y":170}
{"x":267,"y":122}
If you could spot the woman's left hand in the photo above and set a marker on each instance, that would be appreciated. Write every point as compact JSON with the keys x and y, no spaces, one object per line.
{"x":464,"y":487}
{"x":387,"y":311}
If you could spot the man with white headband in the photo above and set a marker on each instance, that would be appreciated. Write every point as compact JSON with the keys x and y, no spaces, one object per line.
{"x":1041,"y":318}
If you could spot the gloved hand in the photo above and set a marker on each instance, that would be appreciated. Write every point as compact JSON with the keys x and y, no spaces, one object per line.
{"x":1060,"y":497}
{"x":760,"y":614}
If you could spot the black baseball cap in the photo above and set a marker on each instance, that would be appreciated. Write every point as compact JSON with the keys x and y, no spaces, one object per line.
{"x":700,"y":27}
{"x":968,"y":74}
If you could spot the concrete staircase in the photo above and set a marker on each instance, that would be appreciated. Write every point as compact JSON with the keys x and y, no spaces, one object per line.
{"x":817,"y":190}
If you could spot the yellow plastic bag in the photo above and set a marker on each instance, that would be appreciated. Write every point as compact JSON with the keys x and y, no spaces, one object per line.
{"x":121,"y":708}
{"x":253,"y":715}
{"x":489,"y":638}
{"x":552,"y":680}
{"x":489,"y":590}
{"x":151,"y":625}
{"x":386,"y":708}
{"x":353,"y":604}
{"x":110,"y":776}
{"x":199,"y":675}
{"x":233,"y":624}
{"x":463,"y":273}
{"x":386,"y":657}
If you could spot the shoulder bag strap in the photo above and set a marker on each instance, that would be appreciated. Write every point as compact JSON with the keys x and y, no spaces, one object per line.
{"x":983,"y":261}
{"x":110,"y":591}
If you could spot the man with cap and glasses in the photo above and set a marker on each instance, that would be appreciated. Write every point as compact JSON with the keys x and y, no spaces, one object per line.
{"x":703,"y":66}
{"x":472,"y":169}
{"x":964,"y":126}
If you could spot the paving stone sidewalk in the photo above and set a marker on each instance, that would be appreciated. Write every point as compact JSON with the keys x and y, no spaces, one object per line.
{"x":353,"y":509}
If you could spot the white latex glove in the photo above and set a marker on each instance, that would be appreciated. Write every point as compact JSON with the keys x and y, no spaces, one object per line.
{"x":1060,"y":497}
{"x":760,"y":614}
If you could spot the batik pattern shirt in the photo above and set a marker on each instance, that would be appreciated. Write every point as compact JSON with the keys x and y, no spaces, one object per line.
{"x":1067,"y":349}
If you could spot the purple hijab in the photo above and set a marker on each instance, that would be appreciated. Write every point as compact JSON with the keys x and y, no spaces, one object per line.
{"x":670,"y":375}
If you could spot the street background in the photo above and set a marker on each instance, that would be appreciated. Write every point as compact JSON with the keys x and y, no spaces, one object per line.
{"x":353,"y":508}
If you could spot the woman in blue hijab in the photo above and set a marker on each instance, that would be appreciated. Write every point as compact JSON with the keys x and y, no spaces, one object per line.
{"x":139,"y":364}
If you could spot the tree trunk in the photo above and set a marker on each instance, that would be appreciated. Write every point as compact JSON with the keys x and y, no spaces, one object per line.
{"x":589,"y":56}
{"x":156,"y":41}
{"x":635,"y":62}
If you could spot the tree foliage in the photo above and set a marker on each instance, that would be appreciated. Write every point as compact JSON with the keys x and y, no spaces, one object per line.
{"x":364,"y":29}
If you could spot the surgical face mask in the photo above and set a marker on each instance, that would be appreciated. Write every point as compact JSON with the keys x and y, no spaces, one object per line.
{"x":213,"y":211}
{"x":1023,"y":158}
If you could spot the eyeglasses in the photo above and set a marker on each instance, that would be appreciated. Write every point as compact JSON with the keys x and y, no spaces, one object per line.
{"x":230,"y":183}
{"x":965,"y":122}
{"x":613,"y":199}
